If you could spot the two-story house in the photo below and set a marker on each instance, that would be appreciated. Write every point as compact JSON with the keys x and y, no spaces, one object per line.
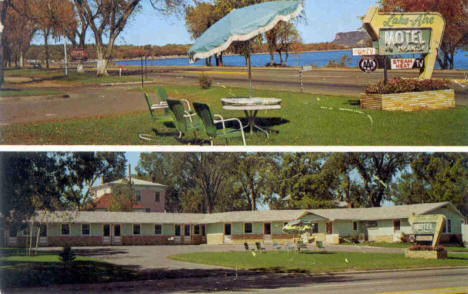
{"x":148,"y":197}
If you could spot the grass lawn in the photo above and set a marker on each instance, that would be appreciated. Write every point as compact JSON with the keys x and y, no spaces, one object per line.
{"x":304,"y":119}
{"x":403,"y":245}
{"x":27,"y":92}
{"x":314,"y":262}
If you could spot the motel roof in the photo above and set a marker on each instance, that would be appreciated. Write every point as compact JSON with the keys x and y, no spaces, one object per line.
{"x":136,"y":182}
{"x":355,"y":214}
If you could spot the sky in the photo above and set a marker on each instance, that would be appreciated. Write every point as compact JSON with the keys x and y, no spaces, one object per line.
{"x":323,"y":20}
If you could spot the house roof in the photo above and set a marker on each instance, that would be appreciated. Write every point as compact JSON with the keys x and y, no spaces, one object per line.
{"x":136,"y":182}
{"x":105,"y":200}
{"x":377,"y":213}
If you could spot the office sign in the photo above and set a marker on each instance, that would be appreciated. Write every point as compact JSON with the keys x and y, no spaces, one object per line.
{"x":368,"y":64}
{"x":78,"y":54}
{"x":364,"y":51}
{"x":407,"y":63}
{"x":427,"y":228}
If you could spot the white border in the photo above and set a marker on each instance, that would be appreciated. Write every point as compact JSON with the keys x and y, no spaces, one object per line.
{"x":184,"y":148}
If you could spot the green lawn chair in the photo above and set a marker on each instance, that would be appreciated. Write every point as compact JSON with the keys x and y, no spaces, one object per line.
{"x":162,"y":95}
{"x":180,"y":116}
{"x":163,"y":117}
{"x":204,"y":112}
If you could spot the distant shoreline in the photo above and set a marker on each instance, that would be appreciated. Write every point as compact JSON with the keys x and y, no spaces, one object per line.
{"x":260,"y":53}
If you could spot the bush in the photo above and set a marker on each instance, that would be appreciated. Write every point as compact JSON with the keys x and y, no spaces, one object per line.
{"x":399,"y":85}
{"x":67,"y":254}
{"x":426,"y":248}
{"x":205,"y":81}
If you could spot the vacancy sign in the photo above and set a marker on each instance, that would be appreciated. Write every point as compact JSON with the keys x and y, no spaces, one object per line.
{"x":407,"y":63}
{"x":364,"y":51}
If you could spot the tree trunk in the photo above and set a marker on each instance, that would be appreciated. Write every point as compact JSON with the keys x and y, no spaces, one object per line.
{"x":3,"y":43}
{"x":280,"y":56}
{"x":272,"y":57}
{"x":286,"y":57}
{"x":21,"y":59}
{"x":46,"y":47}
{"x":208,"y":61}
{"x":101,"y":67}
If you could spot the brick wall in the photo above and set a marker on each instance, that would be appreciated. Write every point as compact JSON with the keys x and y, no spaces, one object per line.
{"x":411,"y":101}
{"x":60,"y":241}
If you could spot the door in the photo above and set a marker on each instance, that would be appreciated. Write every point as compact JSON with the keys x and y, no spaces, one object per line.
{"x":116,"y":237}
{"x":267,"y":233}
{"x":43,"y":235}
{"x":187,"y":233}
{"x":329,"y":228}
{"x":227,"y":233}
{"x":177,"y":234}
{"x":106,"y":234}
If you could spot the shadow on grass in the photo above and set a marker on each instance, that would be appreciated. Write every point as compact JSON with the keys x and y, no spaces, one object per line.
{"x":458,"y":257}
{"x":84,"y":276}
{"x":317,"y":252}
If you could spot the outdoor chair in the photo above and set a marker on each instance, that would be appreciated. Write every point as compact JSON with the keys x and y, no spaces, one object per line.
{"x":300,"y":245}
{"x":259,"y":247}
{"x":183,"y":126}
{"x":161,"y":117}
{"x":319,"y":245}
{"x":162,"y":95}
{"x":204,"y":112}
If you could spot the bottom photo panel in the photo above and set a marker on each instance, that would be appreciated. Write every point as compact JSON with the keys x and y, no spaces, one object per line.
{"x":222,"y":222}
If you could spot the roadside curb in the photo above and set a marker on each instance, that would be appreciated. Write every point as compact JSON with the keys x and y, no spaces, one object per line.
{"x":391,"y":270}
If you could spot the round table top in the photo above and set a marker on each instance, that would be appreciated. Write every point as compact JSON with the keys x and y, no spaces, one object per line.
{"x":253,"y":101}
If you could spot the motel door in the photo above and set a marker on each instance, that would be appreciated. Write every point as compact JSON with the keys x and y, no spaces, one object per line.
{"x":116,"y":237}
{"x":227,"y":233}
{"x":106,"y":234}
{"x":177,"y":234}
{"x":43,"y":235}
{"x":267,"y":232}
{"x":187,"y":233}
{"x":329,"y":228}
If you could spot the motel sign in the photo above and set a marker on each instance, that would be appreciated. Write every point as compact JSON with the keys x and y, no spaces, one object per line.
{"x":396,"y":41}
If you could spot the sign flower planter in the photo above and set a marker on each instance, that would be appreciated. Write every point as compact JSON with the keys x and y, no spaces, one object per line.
{"x":431,"y":254}
{"x":410,"y":101}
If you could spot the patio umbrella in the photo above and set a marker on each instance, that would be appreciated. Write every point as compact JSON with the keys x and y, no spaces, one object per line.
{"x":242,"y":25}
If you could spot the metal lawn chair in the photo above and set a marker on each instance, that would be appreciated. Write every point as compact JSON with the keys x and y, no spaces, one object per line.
{"x":260,"y":247}
{"x":162,"y":95}
{"x":204,"y":112}
{"x":183,"y":126}
{"x":156,"y":117}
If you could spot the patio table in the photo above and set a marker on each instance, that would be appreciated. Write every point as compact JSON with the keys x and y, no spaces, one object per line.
{"x":251,"y":107}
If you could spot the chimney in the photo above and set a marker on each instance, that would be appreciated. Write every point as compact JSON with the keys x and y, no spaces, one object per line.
{"x":153,"y":179}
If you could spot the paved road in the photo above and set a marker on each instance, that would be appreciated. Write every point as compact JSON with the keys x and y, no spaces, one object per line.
{"x":347,"y":283}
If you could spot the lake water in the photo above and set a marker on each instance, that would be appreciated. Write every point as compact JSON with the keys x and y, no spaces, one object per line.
{"x":307,"y":58}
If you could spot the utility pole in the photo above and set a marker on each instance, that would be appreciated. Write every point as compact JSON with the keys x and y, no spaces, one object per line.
{"x":66,"y":56}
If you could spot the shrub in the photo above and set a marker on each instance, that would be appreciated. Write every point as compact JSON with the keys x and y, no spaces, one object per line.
{"x":67,"y":254}
{"x":399,"y":85}
{"x":205,"y":81}
{"x":426,"y":248}
{"x":344,"y":61}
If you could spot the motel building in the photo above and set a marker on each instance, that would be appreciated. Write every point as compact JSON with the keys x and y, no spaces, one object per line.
{"x":97,"y":228}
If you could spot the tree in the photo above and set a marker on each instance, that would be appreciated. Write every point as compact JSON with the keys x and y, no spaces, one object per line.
{"x":19,"y":33}
{"x":108,"y":18}
{"x":3,"y":42}
{"x":122,"y":197}
{"x":280,"y":39}
{"x":374,"y":174}
{"x":83,"y":169}
{"x":434,"y":178}
{"x":301,"y":182}
{"x":456,"y":17}
{"x":29,"y":182}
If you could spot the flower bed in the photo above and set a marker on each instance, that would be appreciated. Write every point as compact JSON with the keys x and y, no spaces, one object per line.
{"x":409,"y":95}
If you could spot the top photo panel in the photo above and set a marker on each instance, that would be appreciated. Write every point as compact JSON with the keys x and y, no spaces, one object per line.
{"x":234,"y":72}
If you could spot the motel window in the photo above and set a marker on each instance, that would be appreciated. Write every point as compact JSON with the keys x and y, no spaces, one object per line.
{"x":187,"y":230}
{"x":136,"y":229}
{"x":157,"y":229}
{"x":177,"y":230}
{"x":65,"y":229}
{"x":315,"y":228}
{"x":157,"y":196}
{"x":248,"y":228}
{"x":196,"y":229}
{"x":203,"y":230}
{"x":354,"y":226}
{"x":396,"y":225}
{"x":85,"y":229}
{"x":137,"y":195}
